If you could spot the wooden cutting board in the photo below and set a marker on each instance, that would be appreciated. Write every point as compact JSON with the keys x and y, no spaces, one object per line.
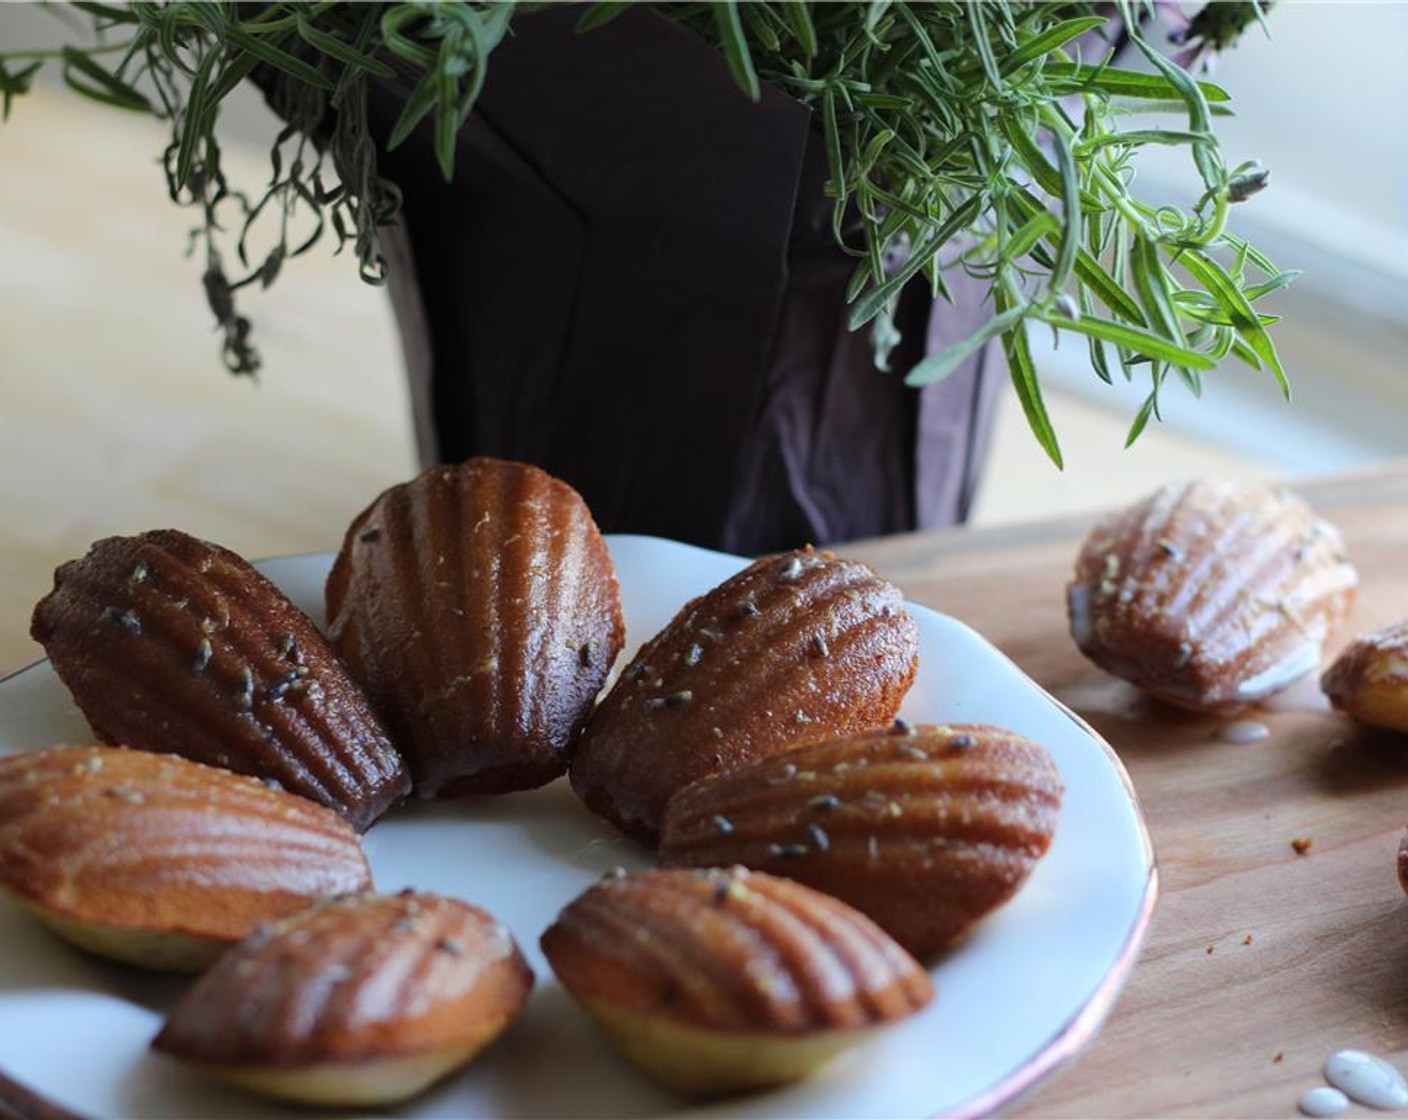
{"x":1261,"y":961}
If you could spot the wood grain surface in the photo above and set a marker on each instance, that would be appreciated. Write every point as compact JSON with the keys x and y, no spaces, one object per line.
{"x":1261,"y":962}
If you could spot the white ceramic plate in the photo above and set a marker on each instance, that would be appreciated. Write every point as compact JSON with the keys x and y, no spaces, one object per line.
{"x":1017,"y":999}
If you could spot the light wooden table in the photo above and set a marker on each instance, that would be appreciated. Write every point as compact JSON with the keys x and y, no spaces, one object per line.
{"x":1260,"y":962}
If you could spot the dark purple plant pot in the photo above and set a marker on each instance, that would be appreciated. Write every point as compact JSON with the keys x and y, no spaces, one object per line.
{"x":632,"y":282}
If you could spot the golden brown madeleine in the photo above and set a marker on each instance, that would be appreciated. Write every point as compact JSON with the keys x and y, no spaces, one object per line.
{"x":158,"y":861}
{"x":926,"y":829}
{"x":1210,"y":595}
{"x":796,"y":647}
{"x":716,"y":980}
{"x":169,"y":643}
{"x":1368,"y":681}
{"x":363,"y":1000}
{"x":479,"y":607}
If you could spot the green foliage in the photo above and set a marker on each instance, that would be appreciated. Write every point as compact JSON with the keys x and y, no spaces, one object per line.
{"x":982,"y":135}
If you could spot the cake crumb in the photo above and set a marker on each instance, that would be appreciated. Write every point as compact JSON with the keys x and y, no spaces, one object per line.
{"x":1278,"y":1057}
{"x":1210,"y":950}
{"x":1247,"y":940}
{"x":1301,"y":844}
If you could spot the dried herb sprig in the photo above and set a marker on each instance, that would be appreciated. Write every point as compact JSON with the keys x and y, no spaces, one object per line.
{"x":989,"y":136}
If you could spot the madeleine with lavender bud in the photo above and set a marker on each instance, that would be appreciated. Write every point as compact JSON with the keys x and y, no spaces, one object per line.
{"x":171,"y":643}
{"x":478,"y":606}
{"x":796,"y":647}
{"x":158,"y":861}
{"x":925,"y":829}
{"x":363,"y":1000}
{"x":723,"y":980}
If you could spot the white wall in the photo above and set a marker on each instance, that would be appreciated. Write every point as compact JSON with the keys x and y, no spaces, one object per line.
{"x":1322,"y":100}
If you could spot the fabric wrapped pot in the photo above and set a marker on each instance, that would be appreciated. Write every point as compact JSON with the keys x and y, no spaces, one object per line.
{"x":632,"y":282}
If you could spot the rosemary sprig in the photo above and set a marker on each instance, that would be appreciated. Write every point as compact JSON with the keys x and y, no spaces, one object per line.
{"x":987,"y":136}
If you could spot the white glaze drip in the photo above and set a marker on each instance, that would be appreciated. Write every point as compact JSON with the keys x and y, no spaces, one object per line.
{"x":1295,"y":665}
{"x":1244,"y":731}
{"x":1078,"y":610}
{"x":1323,"y":1100}
{"x":1303,"y":695}
{"x":1364,"y":1078}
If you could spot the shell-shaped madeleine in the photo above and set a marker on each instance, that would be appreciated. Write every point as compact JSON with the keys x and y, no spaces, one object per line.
{"x":159,"y":861}
{"x":362,"y":1000}
{"x":169,"y":643}
{"x":1210,"y":595}
{"x":479,"y":607}
{"x":719,"y":980}
{"x":1368,"y":681}
{"x":796,"y":647}
{"x":925,"y":829}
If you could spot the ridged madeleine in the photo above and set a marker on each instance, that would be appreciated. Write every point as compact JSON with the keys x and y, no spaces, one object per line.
{"x":1210,"y":595}
{"x":926,"y":829}
{"x":796,"y":647}
{"x":170,"y":643}
{"x":1368,"y":681}
{"x":716,"y":981}
{"x":158,"y":861}
{"x":479,"y":607}
{"x":364,"y":1000}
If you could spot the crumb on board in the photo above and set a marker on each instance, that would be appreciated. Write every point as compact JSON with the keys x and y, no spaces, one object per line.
{"x":1210,"y":949}
{"x":1247,"y":940}
{"x":1278,"y":1057}
{"x":1301,"y":845}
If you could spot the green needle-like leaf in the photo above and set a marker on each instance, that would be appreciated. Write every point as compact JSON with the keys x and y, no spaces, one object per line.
{"x":422,"y":100}
{"x":1141,"y":419}
{"x":600,"y":14}
{"x":193,"y":126}
{"x":1132,"y":338}
{"x":1070,"y":237}
{"x":343,"y":52}
{"x":85,"y":76}
{"x":1050,"y":40}
{"x":280,"y":59}
{"x":1073,"y":77}
{"x":1243,"y":317}
{"x":1024,"y":377}
{"x":940,"y":365}
{"x":799,"y":18}
{"x":735,"y":45}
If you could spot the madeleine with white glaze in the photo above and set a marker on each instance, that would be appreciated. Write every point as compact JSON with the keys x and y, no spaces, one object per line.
{"x":1210,"y":595}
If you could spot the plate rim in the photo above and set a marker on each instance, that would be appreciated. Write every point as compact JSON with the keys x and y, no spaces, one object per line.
{"x":1067,"y":1043}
